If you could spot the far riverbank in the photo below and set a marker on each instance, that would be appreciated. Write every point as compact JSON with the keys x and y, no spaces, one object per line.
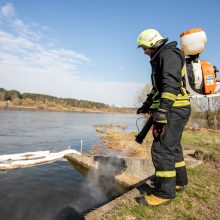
{"x":51,"y":106}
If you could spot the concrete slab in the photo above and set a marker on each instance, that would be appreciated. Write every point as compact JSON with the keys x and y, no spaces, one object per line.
{"x":132,"y":173}
{"x":126,"y":171}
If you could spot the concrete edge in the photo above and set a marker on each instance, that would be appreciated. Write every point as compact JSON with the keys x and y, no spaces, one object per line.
{"x":130,"y":196}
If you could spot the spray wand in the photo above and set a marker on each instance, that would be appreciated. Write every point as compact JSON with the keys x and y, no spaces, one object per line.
{"x":143,"y":133}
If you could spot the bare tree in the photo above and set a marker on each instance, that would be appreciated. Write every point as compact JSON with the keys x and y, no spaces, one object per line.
{"x":209,"y":107}
{"x":142,"y":94}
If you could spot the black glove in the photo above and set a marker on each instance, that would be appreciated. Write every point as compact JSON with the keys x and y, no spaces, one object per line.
{"x":160,"y":116}
{"x":145,"y":108}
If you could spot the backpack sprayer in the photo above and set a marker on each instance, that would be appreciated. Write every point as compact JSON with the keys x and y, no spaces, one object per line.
{"x":200,"y":75}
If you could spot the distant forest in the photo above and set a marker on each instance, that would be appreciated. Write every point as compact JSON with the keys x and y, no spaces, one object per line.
{"x":16,"y":96}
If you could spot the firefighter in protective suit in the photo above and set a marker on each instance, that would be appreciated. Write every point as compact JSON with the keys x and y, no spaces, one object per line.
{"x":169,"y":103}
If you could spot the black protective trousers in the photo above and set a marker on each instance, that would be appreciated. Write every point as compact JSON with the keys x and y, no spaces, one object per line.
{"x":167,"y":155}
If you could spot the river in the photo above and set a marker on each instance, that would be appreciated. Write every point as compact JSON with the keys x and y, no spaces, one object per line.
{"x":54,"y":191}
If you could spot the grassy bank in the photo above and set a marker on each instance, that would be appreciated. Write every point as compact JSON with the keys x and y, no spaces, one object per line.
{"x":52,"y":106}
{"x":200,"y":200}
{"x":39,"y":106}
{"x":205,"y":142}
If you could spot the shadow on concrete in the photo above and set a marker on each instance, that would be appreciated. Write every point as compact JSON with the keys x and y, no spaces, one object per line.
{"x":145,"y":187}
{"x":111,"y":165}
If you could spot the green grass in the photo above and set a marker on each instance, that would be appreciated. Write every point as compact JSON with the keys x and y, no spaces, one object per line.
{"x":206,"y":141}
{"x":200,"y":200}
{"x":202,"y":139}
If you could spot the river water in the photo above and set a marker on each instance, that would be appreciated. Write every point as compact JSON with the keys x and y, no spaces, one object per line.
{"x":56,"y":190}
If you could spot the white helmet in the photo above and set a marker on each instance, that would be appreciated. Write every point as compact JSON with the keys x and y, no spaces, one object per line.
{"x":150,"y":38}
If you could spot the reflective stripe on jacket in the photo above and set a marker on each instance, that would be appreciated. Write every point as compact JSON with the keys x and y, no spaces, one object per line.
{"x":168,"y":78}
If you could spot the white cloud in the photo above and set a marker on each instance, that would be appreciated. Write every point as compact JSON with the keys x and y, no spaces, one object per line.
{"x":28,"y":65}
{"x":10,"y":42}
{"x":7,"y":10}
{"x":36,"y":55}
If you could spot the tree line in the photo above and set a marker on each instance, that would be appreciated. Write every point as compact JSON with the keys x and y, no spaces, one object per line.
{"x":12,"y":95}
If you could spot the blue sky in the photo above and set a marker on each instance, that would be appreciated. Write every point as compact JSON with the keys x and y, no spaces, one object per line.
{"x":86,"y":49}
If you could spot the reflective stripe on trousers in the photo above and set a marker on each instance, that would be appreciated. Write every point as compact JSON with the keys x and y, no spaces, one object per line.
{"x":166,"y":174}
{"x":167,"y":155}
{"x":180,"y":164}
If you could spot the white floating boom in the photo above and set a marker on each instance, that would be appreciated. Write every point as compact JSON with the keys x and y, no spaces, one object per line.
{"x":21,"y":160}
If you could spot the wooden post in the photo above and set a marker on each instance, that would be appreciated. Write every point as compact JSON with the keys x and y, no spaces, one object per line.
{"x":215,"y":122}
{"x":81,"y":145}
{"x":208,"y":114}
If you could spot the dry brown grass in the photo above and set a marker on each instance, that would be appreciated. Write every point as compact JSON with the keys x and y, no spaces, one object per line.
{"x":115,"y":138}
{"x":29,"y":104}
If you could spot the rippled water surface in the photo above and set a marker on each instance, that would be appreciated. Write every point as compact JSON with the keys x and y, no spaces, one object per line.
{"x":55,"y":190}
